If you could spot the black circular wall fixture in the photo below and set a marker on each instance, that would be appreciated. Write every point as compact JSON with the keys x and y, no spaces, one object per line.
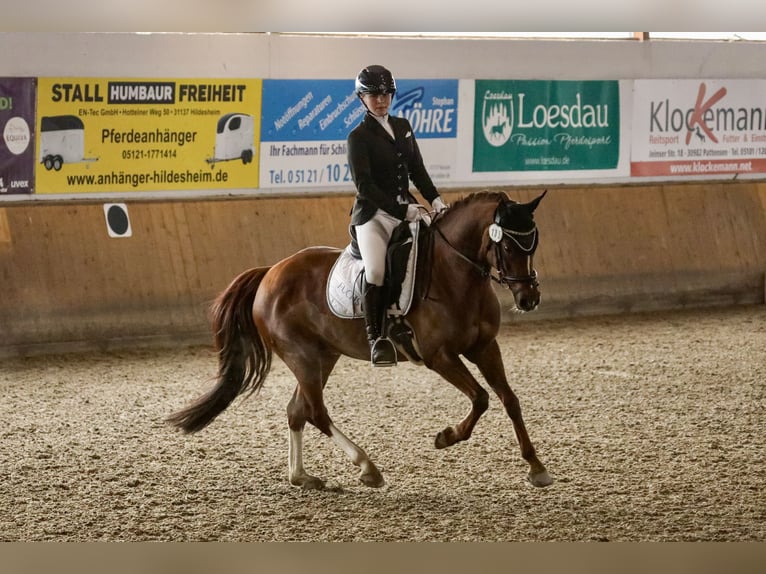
{"x":117,"y":220}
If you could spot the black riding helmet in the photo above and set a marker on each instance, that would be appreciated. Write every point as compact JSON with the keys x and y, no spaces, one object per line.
{"x":375,"y":80}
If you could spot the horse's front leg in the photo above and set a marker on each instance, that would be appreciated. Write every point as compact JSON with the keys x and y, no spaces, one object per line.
{"x":490,"y":363}
{"x":452,"y":369}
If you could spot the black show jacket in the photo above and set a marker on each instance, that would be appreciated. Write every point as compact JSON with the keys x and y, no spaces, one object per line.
{"x":382,"y":167}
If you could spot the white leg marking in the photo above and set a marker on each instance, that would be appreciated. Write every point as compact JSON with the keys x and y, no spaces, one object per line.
{"x":356,"y":454}
{"x":295,"y":456}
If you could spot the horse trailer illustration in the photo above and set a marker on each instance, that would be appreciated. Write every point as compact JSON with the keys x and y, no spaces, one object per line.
{"x":62,"y":140}
{"x":234,"y":138}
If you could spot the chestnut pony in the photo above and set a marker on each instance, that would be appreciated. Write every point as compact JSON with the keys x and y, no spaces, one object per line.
{"x":282,"y":309}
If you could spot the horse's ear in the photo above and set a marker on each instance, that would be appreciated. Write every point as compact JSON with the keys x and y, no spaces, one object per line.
{"x":532,"y":205}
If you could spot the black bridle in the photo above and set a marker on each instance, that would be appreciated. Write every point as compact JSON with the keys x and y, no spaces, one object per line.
{"x":486,"y":270}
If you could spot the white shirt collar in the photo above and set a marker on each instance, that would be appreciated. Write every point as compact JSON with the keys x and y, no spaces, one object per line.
{"x":383,"y":120}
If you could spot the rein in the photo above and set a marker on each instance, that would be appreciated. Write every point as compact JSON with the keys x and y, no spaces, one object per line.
{"x":486,"y":270}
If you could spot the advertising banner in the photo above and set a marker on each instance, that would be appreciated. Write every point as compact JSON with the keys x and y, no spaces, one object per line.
{"x":306,"y":123}
{"x":698,"y":127}
{"x":81,"y":135}
{"x":522,"y":126}
{"x":102,"y":135}
{"x":17,"y":124}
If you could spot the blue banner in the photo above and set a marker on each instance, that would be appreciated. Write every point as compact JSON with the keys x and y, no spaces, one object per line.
{"x":429,"y":105}
{"x":327,"y":110}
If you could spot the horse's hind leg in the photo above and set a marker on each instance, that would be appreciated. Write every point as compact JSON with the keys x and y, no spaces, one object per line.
{"x":307,"y":405}
{"x":370,"y":475}
{"x":490,"y":363}
{"x":296,"y":472}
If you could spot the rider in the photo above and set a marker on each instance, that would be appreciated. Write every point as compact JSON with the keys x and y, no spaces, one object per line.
{"x":383,"y":156}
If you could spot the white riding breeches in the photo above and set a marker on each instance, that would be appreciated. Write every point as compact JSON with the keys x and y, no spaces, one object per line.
{"x":372,"y":238}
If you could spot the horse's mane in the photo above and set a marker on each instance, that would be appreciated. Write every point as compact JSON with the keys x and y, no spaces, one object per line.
{"x":473,"y":198}
{"x":480,"y":196}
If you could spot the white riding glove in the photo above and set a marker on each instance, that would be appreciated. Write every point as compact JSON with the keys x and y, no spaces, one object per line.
{"x":415,"y":212}
{"x":438,"y":205}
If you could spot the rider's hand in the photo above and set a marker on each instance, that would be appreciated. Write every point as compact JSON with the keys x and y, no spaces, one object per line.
{"x":414,"y":212}
{"x":438,"y":205}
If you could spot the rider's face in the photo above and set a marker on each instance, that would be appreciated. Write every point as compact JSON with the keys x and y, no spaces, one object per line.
{"x":378,"y":104}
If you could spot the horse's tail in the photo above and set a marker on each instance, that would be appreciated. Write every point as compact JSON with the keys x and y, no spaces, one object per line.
{"x":244,"y":358}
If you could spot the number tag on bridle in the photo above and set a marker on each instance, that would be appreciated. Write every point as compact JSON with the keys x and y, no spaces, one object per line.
{"x":495,"y":233}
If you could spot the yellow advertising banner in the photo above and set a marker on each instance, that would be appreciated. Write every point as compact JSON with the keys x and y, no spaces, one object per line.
{"x":103,"y":135}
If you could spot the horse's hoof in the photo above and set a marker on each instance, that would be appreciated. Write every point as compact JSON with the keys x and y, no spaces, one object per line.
{"x":309,"y":483}
{"x":540,"y":479}
{"x":313,"y":484}
{"x":445,"y":438}
{"x":372,"y":479}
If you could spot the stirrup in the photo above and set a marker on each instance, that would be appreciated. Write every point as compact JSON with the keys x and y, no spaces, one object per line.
{"x":383,"y":353}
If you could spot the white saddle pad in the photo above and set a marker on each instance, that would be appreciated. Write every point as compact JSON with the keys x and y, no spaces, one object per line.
{"x":344,"y":285}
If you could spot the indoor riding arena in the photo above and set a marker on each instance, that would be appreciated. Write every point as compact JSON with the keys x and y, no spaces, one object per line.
{"x":650,"y":425}
{"x":641,"y":375}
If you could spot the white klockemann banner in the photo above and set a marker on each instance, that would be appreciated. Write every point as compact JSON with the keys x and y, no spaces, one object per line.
{"x":698,"y":127}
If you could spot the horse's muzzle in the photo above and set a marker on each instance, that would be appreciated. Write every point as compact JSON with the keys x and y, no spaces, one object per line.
{"x":525,"y":289}
{"x":527,"y":300}
{"x":526,"y":294}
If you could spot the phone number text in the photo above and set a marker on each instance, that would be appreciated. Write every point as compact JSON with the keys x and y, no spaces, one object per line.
{"x":331,"y":173}
{"x":148,"y":154}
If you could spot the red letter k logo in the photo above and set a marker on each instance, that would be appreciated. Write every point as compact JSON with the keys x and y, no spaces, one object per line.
{"x":699,"y":112}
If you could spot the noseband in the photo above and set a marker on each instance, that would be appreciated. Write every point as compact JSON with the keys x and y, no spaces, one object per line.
{"x":504,"y":279}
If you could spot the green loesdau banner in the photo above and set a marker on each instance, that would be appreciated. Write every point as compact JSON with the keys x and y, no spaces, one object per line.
{"x":541,"y":125}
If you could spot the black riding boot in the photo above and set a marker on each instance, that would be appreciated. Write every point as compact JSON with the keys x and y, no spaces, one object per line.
{"x":382,"y":350}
